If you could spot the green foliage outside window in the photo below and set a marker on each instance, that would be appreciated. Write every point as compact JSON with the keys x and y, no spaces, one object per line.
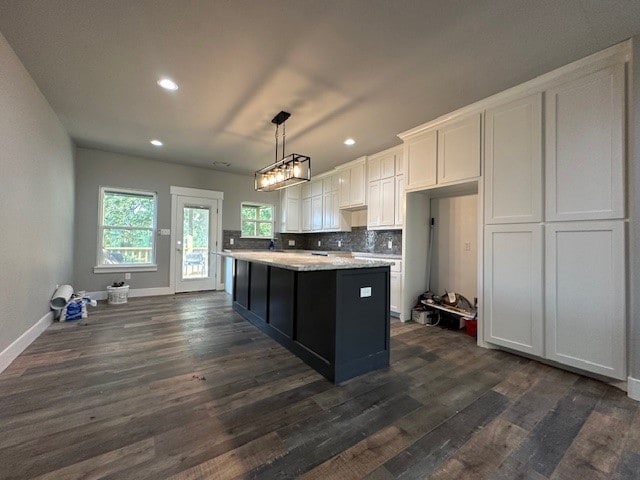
{"x":257,"y":221}
{"x":127,"y":225}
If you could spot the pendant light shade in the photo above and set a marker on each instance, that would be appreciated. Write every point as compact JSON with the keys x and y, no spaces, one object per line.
{"x":284,"y":172}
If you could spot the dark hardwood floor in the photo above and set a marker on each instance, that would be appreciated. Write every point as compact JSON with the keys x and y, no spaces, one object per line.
{"x":181,"y":387}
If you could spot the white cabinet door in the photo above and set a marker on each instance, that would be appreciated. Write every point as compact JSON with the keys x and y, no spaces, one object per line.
{"x":306,"y":190}
{"x":358,"y":188}
{"x":585,"y":147}
{"x":292,"y":223}
{"x":373,"y":167}
{"x":316,"y":213}
{"x":344,"y":190}
{"x":399,"y":207}
{"x":513,"y":162}
{"x":387,"y":202}
{"x":335,"y":212}
{"x":290,"y":209}
{"x":400,"y":162}
{"x":395,"y":293}
{"x":459,"y":150}
{"x":513,"y":298}
{"x":586,"y":296}
{"x":327,"y":211}
{"x":373,"y":209}
{"x":421,"y":155}
{"x":306,"y":214}
{"x":316,"y":187}
{"x":388,"y":166}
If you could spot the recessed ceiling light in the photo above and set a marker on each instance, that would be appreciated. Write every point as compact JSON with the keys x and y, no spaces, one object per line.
{"x":168,"y":84}
{"x":157,"y":143}
{"x":349,"y":141}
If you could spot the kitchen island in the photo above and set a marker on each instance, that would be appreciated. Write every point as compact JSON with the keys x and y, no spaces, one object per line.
{"x":330,"y":311}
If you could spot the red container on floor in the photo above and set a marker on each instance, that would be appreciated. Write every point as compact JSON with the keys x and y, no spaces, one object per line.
{"x":471,"y":326}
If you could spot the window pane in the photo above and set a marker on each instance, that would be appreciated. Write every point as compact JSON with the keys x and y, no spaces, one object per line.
{"x":266,"y":213}
{"x":195,"y":233}
{"x":127,"y":246}
{"x":248,"y":228}
{"x":265,"y":229}
{"x":125,"y":210}
{"x":249,"y":212}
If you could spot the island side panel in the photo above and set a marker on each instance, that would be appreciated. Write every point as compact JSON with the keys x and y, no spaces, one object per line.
{"x":362,"y":322}
{"x":282,"y":296}
{"x":241,"y":283}
{"x":316,"y":312}
{"x":259,"y":290}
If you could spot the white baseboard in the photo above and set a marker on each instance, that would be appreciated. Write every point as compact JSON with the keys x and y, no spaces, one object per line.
{"x":10,"y":353}
{"x":135,"y":292}
{"x":633,"y":388}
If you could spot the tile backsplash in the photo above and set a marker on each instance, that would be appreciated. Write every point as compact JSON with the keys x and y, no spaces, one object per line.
{"x":359,"y":239}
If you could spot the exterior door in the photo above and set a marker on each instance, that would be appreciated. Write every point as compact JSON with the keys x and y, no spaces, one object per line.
{"x":195,"y":248}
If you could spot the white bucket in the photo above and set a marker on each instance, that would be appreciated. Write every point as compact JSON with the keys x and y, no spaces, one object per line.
{"x":117,"y":295}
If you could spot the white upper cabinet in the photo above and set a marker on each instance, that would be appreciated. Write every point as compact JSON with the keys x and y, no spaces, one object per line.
{"x":316,"y":213}
{"x":373,"y":209}
{"x":421,"y":154}
{"x":585,"y":148}
{"x":306,"y":214}
{"x":373,"y":169}
{"x":388,"y":165}
{"x":586,"y":296}
{"x":383,"y":207}
{"x":387,"y":202}
{"x":352,"y":184}
{"x":290,"y":209}
{"x":399,"y":206}
{"x":513,"y":162}
{"x":513,"y":293}
{"x":459,"y":149}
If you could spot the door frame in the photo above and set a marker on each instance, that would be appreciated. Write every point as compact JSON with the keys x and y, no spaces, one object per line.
{"x":195,"y":192}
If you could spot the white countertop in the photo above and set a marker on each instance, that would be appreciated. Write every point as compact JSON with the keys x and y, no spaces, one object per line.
{"x":306,"y":261}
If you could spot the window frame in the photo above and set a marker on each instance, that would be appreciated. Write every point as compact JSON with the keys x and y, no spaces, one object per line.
{"x":258,"y":205}
{"x":133,"y":267}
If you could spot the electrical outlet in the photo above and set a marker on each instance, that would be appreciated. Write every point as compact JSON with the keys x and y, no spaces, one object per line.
{"x":365,"y":292}
{"x":339,"y":243}
{"x":231,"y":240}
{"x":292,"y":243}
{"x":390,"y":244}
{"x":165,"y":232}
{"x":467,"y":246}
{"x":127,"y":276}
{"x":319,"y":243}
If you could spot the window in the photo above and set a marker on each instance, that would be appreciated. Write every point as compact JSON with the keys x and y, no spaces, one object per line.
{"x":126,"y":230}
{"x":257,"y":220}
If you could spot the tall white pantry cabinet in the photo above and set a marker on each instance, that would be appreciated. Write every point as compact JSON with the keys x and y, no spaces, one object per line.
{"x":555,"y":219}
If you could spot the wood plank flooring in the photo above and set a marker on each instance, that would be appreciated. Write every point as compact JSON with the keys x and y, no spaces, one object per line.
{"x":181,"y":387}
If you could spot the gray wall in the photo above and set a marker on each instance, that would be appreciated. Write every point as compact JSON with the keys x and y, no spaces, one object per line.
{"x":36,"y":200}
{"x":634,"y":212}
{"x":95,"y":168}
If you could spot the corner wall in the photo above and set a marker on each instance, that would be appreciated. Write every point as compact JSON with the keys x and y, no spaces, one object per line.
{"x":634,"y":215}
{"x":95,"y":168}
{"x":36,"y":205}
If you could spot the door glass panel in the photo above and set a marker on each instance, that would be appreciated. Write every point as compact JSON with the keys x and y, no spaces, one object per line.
{"x":195,"y":236}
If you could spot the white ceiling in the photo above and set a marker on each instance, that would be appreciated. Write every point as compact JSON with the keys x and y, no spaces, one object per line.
{"x":367,"y":69}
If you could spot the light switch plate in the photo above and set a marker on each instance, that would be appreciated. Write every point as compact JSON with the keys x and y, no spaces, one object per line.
{"x":319,"y":243}
{"x":339,"y":243}
{"x":365,"y":292}
{"x":292,"y":243}
{"x":165,"y":231}
{"x":127,"y":276}
{"x":231,"y":240}
{"x":390,"y":244}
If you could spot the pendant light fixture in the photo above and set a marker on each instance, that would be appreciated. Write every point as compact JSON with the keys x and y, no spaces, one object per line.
{"x":285,"y":171}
